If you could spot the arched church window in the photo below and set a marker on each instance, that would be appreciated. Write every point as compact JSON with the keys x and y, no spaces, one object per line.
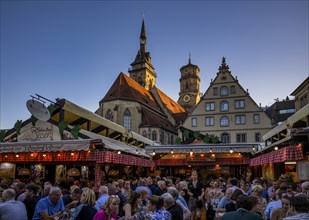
{"x":127,"y":119}
{"x":109,"y":115}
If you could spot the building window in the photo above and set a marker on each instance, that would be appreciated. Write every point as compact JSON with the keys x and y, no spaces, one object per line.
{"x":162,"y":137}
{"x":193,"y":122}
{"x":224,"y":121}
{"x":172,"y":139}
{"x":241,"y":138}
{"x":256,"y":119}
{"x":223,"y":91}
{"x":210,"y":106}
{"x":240,"y":119}
{"x":224,"y":106}
{"x":127,"y":119}
{"x":257,"y":137}
{"x":154,"y":136}
{"x":287,"y":111}
{"x":209,"y":121}
{"x":303,"y":101}
{"x":239,"y":104}
{"x":225,"y":138}
{"x":232,"y":89}
{"x":109,"y":115}
{"x":215,"y":91}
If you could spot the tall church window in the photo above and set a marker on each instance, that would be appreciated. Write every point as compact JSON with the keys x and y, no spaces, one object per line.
{"x":154,"y":136}
{"x":224,"y":121}
{"x":144,"y":134}
{"x":127,"y":119}
{"x":225,"y":138}
{"x":109,"y":115}
{"x":224,"y":106}
{"x":223,"y":91}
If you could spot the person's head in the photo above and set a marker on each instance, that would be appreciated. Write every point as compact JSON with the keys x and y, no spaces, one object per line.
{"x":168,"y":200}
{"x":77,"y":194}
{"x":244,"y":201}
{"x":135,"y":199}
{"x":174,"y":192}
{"x":73,"y":187}
{"x":120,"y":183}
{"x":127,"y":185}
{"x":228,"y":193}
{"x":299,"y":204}
{"x":111,"y":205}
{"x":31,"y":190}
{"x":216,"y":183}
{"x":305,"y":188}
{"x":88,"y":197}
{"x":19,"y":187}
{"x":194,"y":175}
{"x":236,"y":193}
{"x":112,"y":189}
{"x":257,"y":190}
{"x":162,"y":184}
{"x":286,"y":201}
{"x":103,"y":190}
{"x":279,"y":193}
{"x":47,"y":188}
{"x":149,"y":181}
{"x":233,"y":181}
{"x":256,"y":204}
{"x":247,"y":186}
{"x":183,"y":185}
{"x":155,"y":203}
{"x":144,"y":194}
{"x":54,"y":194}
{"x":276,"y":184}
{"x":8,"y":194}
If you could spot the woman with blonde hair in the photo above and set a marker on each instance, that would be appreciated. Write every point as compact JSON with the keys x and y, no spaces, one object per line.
{"x":86,"y":210}
{"x":257,"y":190}
{"x":109,"y":209}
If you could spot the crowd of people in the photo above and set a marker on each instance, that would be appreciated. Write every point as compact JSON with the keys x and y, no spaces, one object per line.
{"x":156,"y":198}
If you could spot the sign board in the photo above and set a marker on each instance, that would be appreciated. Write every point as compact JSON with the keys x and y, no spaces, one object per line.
{"x":38,"y":110}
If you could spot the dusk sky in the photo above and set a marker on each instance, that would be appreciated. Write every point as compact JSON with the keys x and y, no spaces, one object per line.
{"x":76,"y":49}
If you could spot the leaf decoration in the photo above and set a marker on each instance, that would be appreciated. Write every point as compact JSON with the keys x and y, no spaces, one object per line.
{"x":215,"y":140}
{"x":2,"y":135}
{"x":75,"y":130}
{"x":62,"y":126}
{"x":178,"y":140}
{"x":18,"y":126}
{"x":206,"y":138}
{"x":186,"y":133}
{"x":196,"y":135}
{"x":33,"y":120}
{"x":51,"y":108}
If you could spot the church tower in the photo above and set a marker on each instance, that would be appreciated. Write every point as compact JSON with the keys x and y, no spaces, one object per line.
{"x":142,"y":70}
{"x":189,"y":94}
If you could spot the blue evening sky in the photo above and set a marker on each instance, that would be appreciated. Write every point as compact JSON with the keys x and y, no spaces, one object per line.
{"x":76,"y":49}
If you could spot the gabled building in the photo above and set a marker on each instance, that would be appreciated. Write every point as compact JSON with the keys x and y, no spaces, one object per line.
{"x":136,"y":103}
{"x":227,"y":110}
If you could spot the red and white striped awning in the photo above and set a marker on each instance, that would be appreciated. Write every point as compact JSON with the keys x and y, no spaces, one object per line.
{"x":290,"y":153}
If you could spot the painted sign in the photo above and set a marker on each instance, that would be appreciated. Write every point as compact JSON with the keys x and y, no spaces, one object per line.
{"x":38,"y":110}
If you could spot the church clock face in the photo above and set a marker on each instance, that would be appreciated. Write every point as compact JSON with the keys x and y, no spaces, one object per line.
{"x":186,"y":98}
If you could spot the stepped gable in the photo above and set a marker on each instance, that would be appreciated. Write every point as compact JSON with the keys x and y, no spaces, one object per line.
{"x":125,"y":88}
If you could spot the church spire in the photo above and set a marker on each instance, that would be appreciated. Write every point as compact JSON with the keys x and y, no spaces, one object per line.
{"x":189,"y":58}
{"x":143,"y":38}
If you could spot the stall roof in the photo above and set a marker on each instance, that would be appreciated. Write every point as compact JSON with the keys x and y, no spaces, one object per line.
{"x":75,"y":114}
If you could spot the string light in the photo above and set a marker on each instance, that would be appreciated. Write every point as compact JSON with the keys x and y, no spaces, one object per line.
{"x":191,"y":152}
{"x":210,"y":150}
{"x":119,"y":152}
{"x":276,"y":148}
{"x":136,"y":151}
{"x":153,"y":153}
{"x":172,"y":151}
{"x":231,"y":150}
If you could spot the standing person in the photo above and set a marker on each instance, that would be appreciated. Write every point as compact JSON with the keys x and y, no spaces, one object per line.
{"x":103,"y":192}
{"x":213,"y":196}
{"x":86,"y":210}
{"x":195,"y":191}
{"x":277,"y":203}
{"x":244,"y":205}
{"x":132,"y":205}
{"x":31,"y":199}
{"x":171,"y":206}
{"x":11,"y":209}
{"x":109,"y":209}
{"x":20,"y":191}
{"x":155,"y":206}
{"x":280,"y":212}
{"x":272,"y":190}
{"x":299,"y":208}
{"x":50,"y":206}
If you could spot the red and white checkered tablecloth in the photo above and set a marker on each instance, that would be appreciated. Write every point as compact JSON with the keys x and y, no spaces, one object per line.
{"x":290,"y":153}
